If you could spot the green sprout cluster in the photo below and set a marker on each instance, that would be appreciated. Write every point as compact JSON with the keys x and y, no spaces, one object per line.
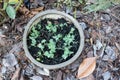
{"x":51,"y":44}
{"x":69,"y":38}
{"x":50,"y":27}
{"x":33,"y":36}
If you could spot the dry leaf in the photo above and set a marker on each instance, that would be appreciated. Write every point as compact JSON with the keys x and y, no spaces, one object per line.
{"x":91,"y":41}
{"x":30,"y":13}
{"x":2,"y":41}
{"x":38,"y":9}
{"x":16,"y":74}
{"x":86,"y":67}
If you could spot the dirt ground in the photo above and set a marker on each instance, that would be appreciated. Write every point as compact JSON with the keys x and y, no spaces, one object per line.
{"x":102,"y":38}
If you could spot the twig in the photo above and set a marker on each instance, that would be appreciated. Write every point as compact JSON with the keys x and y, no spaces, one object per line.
{"x":99,"y":63}
{"x":103,"y":49}
{"x":21,"y":1}
{"x":5,"y":20}
{"x":115,"y":16}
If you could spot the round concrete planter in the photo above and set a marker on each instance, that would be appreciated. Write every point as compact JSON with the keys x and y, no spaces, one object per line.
{"x":52,"y":14}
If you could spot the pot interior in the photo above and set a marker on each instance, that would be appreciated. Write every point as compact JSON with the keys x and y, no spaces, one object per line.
{"x":61,"y":48}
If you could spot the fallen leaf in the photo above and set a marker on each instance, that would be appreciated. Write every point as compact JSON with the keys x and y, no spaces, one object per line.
{"x":24,"y":11}
{"x":91,"y":41}
{"x":38,"y":9}
{"x":30,"y":13}
{"x":86,"y":67}
{"x":16,"y":74}
{"x":2,"y":41}
{"x":34,"y":12}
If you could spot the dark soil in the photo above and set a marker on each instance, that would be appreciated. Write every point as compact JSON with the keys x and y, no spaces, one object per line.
{"x":45,"y":34}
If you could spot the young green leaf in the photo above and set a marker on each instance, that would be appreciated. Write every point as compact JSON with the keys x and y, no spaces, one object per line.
{"x":51,"y":44}
{"x":39,"y":26}
{"x":72,"y":30}
{"x":67,"y":52}
{"x":35,"y":33}
{"x":33,"y":41}
{"x":69,"y":39}
{"x":11,"y":12}
{"x":61,"y":25}
{"x":39,"y":53}
{"x":43,"y":41}
{"x":40,"y":46}
{"x":38,"y":59}
{"x":57,"y":37}
{"x":47,"y":54}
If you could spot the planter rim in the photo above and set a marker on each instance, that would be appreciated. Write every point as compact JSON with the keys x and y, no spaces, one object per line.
{"x":63,"y":64}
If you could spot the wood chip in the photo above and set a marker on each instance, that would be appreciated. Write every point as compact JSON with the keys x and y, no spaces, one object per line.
{"x":117,"y":45}
{"x":38,"y":9}
{"x":16,"y":74}
{"x":59,"y":76}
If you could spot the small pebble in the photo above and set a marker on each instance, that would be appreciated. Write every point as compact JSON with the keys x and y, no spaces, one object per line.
{"x":83,"y":25}
{"x":36,"y":78}
{"x":10,"y":60}
{"x":106,"y":75}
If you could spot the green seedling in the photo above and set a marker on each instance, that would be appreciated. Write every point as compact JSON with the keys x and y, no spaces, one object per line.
{"x":50,"y":27}
{"x":69,"y":38}
{"x":57,"y":37}
{"x":48,"y":54}
{"x":67,"y":53}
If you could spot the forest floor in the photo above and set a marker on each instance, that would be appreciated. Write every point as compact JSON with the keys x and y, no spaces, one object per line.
{"x":102,"y":38}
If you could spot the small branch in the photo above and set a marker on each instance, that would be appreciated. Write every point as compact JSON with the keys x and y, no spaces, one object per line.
{"x":5,"y":20}
{"x":21,"y":1}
